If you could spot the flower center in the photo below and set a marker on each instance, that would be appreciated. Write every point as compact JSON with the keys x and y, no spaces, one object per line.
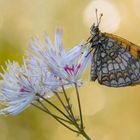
{"x":72,"y":69}
{"x":24,"y":90}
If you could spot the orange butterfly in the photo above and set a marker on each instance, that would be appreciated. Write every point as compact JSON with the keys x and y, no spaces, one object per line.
{"x":115,"y":61}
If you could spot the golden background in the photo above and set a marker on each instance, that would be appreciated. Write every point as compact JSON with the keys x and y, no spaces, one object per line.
{"x":109,"y":113}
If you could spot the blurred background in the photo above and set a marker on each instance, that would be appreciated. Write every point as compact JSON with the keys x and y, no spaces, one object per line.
{"x":109,"y":113}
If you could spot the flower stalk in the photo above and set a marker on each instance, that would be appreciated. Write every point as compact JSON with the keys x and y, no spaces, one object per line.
{"x":69,"y":121}
{"x":79,"y":105}
{"x":54,"y":106}
{"x":56,"y":118}
{"x":68,"y":103}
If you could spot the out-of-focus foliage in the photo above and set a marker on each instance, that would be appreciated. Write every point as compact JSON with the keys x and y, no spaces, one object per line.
{"x":110,"y":114}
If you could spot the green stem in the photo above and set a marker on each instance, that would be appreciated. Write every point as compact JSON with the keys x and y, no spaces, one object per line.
{"x":57,"y":95}
{"x":47,"y":111}
{"x":54,"y":106}
{"x":69,"y":106}
{"x":79,"y":105}
{"x":71,"y":118}
{"x":85,"y":135}
{"x":56,"y":119}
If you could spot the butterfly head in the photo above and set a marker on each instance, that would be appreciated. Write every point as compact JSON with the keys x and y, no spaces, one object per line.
{"x":95,"y":27}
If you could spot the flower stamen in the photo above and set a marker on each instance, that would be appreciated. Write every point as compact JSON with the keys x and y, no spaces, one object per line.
{"x":24,"y":90}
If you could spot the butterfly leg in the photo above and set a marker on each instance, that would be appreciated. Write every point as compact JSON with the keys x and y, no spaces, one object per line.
{"x":89,"y":52}
{"x":92,"y":48}
{"x":88,"y":40}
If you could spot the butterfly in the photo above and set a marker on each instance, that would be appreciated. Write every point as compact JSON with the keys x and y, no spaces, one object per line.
{"x":115,"y":61}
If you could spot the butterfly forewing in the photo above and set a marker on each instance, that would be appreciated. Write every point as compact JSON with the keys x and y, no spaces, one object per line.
{"x":115,"y":62}
{"x":131,"y":47}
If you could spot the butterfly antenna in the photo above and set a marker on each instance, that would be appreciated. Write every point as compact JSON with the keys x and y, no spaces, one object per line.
{"x":96,"y":11}
{"x":101,"y":15}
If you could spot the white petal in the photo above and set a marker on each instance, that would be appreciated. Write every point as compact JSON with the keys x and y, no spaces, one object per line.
{"x":84,"y":61}
{"x":74,"y":53}
{"x":48,"y":42}
{"x":58,"y":41}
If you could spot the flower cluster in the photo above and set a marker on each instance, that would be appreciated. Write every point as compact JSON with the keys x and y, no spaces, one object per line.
{"x":43,"y":73}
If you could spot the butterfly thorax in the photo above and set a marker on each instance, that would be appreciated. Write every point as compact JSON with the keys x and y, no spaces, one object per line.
{"x":97,"y":40}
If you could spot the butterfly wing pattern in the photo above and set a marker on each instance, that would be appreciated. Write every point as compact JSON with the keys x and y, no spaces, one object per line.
{"x":131,"y":47}
{"x":115,"y":62}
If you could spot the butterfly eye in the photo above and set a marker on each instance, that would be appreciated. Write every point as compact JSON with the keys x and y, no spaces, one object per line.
{"x":96,"y":30}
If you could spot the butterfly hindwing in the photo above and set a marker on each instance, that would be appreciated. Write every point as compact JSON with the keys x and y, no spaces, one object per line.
{"x":114,"y":65}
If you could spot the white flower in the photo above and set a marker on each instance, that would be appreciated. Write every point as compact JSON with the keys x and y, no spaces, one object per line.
{"x":14,"y":96}
{"x":39,"y":72}
{"x":67,"y":65}
{"x":20,"y":85}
